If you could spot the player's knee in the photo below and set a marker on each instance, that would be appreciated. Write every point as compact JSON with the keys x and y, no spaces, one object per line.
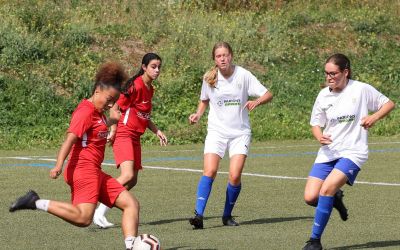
{"x":83,"y":222}
{"x":311,"y":199}
{"x":126,"y":178}
{"x":327,"y":190}
{"x":210,"y":173}
{"x":235,"y":179}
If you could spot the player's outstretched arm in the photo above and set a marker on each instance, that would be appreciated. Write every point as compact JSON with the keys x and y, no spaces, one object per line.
{"x":69,"y":141}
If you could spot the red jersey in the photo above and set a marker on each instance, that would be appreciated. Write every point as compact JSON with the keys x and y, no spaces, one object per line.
{"x":135,"y":108}
{"x":90,"y":127}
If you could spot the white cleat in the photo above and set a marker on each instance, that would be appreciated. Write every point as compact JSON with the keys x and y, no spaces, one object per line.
{"x":102,"y":222}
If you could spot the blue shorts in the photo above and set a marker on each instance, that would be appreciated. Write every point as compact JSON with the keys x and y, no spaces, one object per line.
{"x":349,"y":168}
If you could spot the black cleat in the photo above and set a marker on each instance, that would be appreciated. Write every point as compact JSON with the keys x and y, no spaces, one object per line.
{"x":229,"y":221}
{"x":313,"y":244}
{"x":25,"y":202}
{"x":196,"y":221}
{"x":339,"y":205}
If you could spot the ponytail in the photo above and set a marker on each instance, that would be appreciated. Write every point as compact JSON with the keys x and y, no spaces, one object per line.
{"x":211,"y":76}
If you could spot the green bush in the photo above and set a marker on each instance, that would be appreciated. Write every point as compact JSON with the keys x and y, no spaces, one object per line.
{"x":50,"y":50}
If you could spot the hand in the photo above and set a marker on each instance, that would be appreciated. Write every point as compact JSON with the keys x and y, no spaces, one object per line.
{"x":325,"y":139}
{"x":368,"y":121}
{"x":55,"y":172}
{"x":111,"y":137}
{"x":250,"y":105}
{"x":194,"y":118}
{"x":162,"y":137}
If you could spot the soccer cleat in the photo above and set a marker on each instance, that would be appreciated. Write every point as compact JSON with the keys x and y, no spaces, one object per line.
{"x":101,"y":221}
{"x":313,"y":244}
{"x":229,"y":221}
{"x":339,"y":205}
{"x":196,"y":221}
{"x":28,"y":201}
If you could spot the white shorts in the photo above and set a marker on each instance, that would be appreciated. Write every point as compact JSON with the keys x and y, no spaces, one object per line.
{"x":217,"y":144}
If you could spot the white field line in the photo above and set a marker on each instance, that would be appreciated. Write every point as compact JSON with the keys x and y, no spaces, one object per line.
{"x":261,"y":147}
{"x":200,"y":171}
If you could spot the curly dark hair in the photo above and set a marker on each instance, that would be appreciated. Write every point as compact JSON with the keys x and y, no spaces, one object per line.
{"x":110,"y":74}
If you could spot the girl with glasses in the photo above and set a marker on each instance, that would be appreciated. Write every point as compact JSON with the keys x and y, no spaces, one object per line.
{"x":340,"y":121}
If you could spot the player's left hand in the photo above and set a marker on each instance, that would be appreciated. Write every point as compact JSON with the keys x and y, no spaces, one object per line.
{"x":162,"y":137}
{"x":55,"y":172}
{"x":368,"y":121}
{"x":250,"y":105}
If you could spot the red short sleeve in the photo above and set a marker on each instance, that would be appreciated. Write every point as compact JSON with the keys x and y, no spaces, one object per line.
{"x":81,"y":121}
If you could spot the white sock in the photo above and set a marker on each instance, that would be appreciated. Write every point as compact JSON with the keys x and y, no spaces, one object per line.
{"x":102,"y":210}
{"x":129,"y":242}
{"x":42,"y":204}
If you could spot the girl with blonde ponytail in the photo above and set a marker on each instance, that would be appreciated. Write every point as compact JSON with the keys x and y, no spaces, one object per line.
{"x":226,"y":88}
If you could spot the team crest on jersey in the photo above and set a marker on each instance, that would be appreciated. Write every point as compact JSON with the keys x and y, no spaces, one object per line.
{"x":239,"y":85}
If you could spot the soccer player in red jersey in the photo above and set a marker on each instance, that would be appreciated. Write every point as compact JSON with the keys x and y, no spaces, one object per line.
{"x":85,"y":143}
{"x":134,"y":109}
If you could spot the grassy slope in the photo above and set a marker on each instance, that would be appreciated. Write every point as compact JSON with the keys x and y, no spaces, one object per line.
{"x":49,"y":52}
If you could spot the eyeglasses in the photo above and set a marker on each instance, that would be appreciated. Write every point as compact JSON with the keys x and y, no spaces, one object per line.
{"x":331,"y":74}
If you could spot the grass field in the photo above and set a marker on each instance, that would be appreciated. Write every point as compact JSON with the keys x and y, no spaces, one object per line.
{"x":270,"y":208}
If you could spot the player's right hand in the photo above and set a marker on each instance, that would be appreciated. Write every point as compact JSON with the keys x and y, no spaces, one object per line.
{"x":325,"y":139}
{"x":194,"y":118}
{"x":55,"y":172}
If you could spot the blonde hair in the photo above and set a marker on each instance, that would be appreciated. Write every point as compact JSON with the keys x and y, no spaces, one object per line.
{"x":211,"y":76}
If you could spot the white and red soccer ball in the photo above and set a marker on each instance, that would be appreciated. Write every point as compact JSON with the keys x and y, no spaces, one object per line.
{"x":146,"y":242}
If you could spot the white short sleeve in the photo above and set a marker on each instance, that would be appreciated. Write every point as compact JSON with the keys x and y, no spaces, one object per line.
{"x":255,"y":89}
{"x":318,"y":116}
{"x":375,"y":99}
{"x":204,"y":95}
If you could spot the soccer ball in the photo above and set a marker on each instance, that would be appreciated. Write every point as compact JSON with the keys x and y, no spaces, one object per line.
{"x":146,"y":242}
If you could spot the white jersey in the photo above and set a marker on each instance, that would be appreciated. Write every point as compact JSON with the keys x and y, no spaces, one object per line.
{"x":340,"y":114}
{"x":227,"y":115}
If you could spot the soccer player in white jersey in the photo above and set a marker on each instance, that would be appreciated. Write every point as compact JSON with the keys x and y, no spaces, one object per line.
{"x":340,"y":121}
{"x":226,"y":89}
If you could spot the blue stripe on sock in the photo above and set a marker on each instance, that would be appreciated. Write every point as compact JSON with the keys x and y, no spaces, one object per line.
{"x":232,"y":193}
{"x":203,"y":192}
{"x":322,"y":214}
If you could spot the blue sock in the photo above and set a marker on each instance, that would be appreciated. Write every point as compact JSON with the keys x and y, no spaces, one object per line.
{"x":203,"y":192}
{"x":232,"y":193}
{"x":322,"y":214}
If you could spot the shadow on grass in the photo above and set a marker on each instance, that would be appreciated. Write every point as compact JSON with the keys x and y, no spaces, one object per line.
{"x":274,"y":220}
{"x":160,"y":222}
{"x":372,"y":244}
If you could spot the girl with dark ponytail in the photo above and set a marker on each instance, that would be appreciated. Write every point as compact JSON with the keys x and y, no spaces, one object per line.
{"x":133,"y":111}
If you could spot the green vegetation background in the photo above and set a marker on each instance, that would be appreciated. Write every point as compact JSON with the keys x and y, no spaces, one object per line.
{"x":50,"y":50}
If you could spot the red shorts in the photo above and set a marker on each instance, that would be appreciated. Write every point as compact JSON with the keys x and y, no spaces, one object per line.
{"x":128,"y":148}
{"x":92,"y":188}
